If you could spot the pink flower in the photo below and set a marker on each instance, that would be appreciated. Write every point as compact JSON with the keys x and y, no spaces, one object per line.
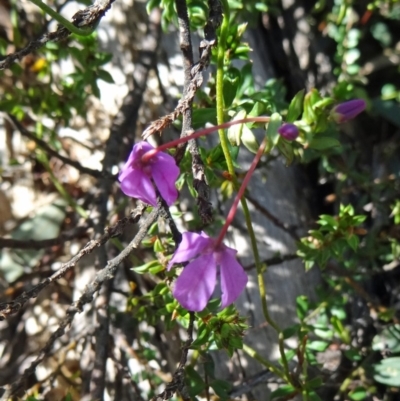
{"x":288,"y":131}
{"x":347,"y":110}
{"x":136,"y":176}
{"x":197,"y":282}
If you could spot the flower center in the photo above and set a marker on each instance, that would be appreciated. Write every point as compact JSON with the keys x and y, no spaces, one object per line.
{"x":144,"y":165}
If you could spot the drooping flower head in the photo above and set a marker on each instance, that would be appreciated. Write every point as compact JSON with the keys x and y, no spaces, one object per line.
{"x":136,"y":176}
{"x":347,"y":110}
{"x":197,"y":282}
{"x":288,"y":131}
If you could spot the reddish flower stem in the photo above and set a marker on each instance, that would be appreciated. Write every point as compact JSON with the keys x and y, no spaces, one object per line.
{"x":148,"y":155}
{"x":240,"y":193}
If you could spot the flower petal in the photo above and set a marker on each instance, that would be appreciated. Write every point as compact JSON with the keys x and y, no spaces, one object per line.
{"x":191,"y":245}
{"x":195,"y":285}
{"x":233,"y":277}
{"x":126,"y":170}
{"x":347,"y":110}
{"x":138,"y":185}
{"x":165,"y":172}
{"x":134,"y":159}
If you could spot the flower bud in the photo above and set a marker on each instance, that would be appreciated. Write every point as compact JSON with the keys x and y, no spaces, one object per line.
{"x":289,"y":131}
{"x":347,"y":110}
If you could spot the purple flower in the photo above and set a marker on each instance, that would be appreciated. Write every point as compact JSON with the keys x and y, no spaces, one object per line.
{"x":136,"y":176}
{"x":347,"y":110}
{"x":196,"y":284}
{"x":289,"y":131}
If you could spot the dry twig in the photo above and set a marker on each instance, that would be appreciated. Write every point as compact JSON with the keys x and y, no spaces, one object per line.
{"x":105,"y":274}
{"x":87,"y":18}
{"x":9,"y":308}
{"x":196,"y":73}
{"x":177,"y":383}
{"x":43,"y":144}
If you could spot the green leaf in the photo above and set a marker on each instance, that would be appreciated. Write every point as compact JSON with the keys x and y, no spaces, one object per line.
{"x":236,"y":342}
{"x":272,"y":131}
{"x":284,"y":391}
{"x":358,"y":394}
{"x":225,"y":330}
{"x":208,"y":364}
{"x":313,"y":396}
{"x":322,"y":104}
{"x":290,"y":354}
{"x":338,"y":312}
{"x":314,"y":383}
{"x":158,"y":246}
{"x":290,"y":331}
{"x":353,"y":355}
{"x":353,"y":242}
{"x":308,"y":265}
{"x":323,"y":142}
{"x":246,"y":81}
{"x":249,"y":140}
{"x":317,"y":345}
{"x":221,"y":388}
{"x":295,"y":107}
{"x":343,"y":333}
{"x":326,"y":219}
{"x":235,"y":132}
{"x":310,"y":354}
{"x":388,"y":339}
{"x":302,"y":306}
{"x":357,"y":220}
{"x":156,"y":269}
{"x":258,"y":109}
{"x":286,"y":148}
{"x":146,"y":267}
{"x":202,"y":335}
{"x":231,"y":83}
{"x":105,"y":76}
{"x":387,"y":315}
{"x":387,"y":371}
{"x":203,"y":116}
{"x":194,"y":381}
{"x":323,"y":332}
{"x":312,"y":97}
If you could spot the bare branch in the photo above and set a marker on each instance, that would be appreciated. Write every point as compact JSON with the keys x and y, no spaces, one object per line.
{"x":87,"y":18}
{"x":9,"y":308}
{"x":199,"y":176}
{"x":43,"y":144}
{"x":178,"y":380}
{"x":102,"y":332}
{"x":214,"y":20}
{"x":105,"y":274}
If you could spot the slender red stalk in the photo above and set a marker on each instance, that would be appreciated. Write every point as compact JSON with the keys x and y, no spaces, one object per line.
{"x":240,"y":193}
{"x":147,"y":156}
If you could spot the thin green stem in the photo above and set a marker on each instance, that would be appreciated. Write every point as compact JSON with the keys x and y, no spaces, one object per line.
{"x":316,"y":311}
{"x":284,"y":359}
{"x":254,"y":354}
{"x":54,"y":14}
{"x":220,"y":87}
{"x":225,"y":148}
{"x":229,"y":162}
